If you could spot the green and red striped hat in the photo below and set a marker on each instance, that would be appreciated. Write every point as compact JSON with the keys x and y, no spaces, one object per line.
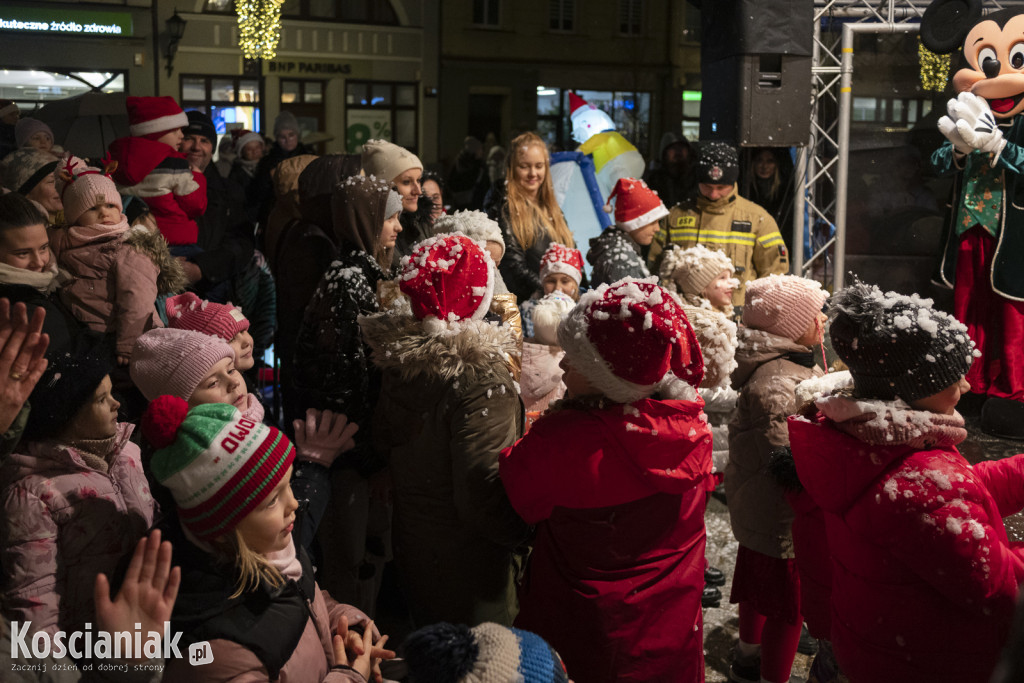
{"x":218,"y":465}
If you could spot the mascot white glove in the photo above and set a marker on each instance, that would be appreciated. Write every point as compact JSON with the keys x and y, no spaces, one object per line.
{"x":947,"y":126}
{"x":977,"y":126}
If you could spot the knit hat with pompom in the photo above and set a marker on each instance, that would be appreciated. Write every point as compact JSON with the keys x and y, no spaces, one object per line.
{"x":897,"y":345}
{"x":489,"y":652}
{"x":548,"y":314}
{"x":218,"y":465}
{"x":632,"y":339}
{"x":690,"y":271}
{"x":783,"y":305}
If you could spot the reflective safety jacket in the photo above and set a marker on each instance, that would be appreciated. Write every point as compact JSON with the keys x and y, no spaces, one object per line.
{"x":743,"y":230}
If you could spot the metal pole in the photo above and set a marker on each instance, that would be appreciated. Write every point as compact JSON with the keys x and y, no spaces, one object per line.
{"x":843,"y":143}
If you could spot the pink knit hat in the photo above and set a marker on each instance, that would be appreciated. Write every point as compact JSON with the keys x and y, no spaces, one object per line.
{"x":783,"y":305}
{"x":81,"y":188}
{"x":151,"y":117}
{"x":188,"y":312}
{"x":174,"y":362}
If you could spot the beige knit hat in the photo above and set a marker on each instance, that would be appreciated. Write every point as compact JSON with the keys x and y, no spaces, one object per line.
{"x":690,"y":271}
{"x":783,"y":305}
{"x":387,"y":160}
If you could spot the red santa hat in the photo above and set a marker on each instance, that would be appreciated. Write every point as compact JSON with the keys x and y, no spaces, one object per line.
{"x":562,"y":259}
{"x":636,"y":205}
{"x":154,"y":116}
{"x":448,"y":278}
{"x":632,"y":339}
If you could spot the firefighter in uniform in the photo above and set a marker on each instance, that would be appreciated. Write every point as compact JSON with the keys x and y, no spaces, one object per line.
{"x":719,"y":218}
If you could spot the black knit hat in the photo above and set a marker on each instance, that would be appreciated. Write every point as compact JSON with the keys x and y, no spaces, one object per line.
{"x":200,"y":124}
{"x":897,"y":345}
{"x":68,"y":383}
{"x":717,"y":163}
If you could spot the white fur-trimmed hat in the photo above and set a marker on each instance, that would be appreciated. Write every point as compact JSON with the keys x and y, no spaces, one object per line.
{"x":631,"y":339}
{"x":636,"y":205}
{"x":562,"y":259}
{"x":149,"y":115}
{"x":548,"y":314}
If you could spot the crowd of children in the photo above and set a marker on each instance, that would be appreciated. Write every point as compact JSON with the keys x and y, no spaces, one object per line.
{"x":539,"y":458}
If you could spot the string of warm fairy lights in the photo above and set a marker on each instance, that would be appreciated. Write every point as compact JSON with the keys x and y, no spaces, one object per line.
{"x":934,"y":68}
{"x":259,"y":27}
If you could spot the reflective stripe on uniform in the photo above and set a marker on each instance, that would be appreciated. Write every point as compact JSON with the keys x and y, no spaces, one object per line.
{"x":771,"y":239}
{"x":712,"y":236}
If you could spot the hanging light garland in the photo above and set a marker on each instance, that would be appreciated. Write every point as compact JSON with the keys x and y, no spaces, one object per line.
{"x":934,"y":68}
{"x":259,"y":27}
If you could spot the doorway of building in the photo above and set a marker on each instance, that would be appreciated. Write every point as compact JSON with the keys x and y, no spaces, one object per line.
{"x":485,"y":115}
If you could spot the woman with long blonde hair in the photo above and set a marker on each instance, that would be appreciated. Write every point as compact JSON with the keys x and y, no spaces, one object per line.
{"x":528,"y":214}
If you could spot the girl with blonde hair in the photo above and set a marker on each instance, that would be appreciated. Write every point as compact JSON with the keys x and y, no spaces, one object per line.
{"x":528,"y":214}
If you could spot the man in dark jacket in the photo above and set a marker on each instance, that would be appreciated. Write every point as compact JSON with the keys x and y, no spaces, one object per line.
{"x":225,"y":235}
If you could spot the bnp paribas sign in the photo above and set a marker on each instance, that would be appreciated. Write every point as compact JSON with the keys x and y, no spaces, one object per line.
{"x":65,"y":21}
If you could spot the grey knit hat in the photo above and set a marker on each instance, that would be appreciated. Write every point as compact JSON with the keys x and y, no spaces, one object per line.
{"x":473,"y":224}
{"x":285,"y":121}
{"x":25,"y":168}
{"x":897,"y":345}
{"x":394,"y":204}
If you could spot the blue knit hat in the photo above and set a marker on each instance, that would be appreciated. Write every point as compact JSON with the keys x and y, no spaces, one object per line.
{"x":488,"y":653}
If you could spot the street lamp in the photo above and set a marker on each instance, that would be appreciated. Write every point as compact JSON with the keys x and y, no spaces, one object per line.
{"x":175,"y":32}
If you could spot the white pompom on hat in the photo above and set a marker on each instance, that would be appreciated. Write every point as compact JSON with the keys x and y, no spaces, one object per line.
{"x":548,"y":314}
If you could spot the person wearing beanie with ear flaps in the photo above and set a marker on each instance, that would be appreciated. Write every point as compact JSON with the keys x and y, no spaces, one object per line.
{"x":150,"y":166}
{"x":245,"y":586}
{"x":332,"y":371}
{"x":719,"y":218}
{"x":924,"y":576}
{"x":626,"y":453}
{"x":455,"y":653}
{"x":616,"y":252}
{"x":783,"y":326}
{"x":75,"y":498}
{"x":444,"y":370}
{"x":118,"y":271}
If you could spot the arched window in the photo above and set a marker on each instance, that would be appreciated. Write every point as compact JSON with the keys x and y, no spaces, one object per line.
{"x":344,"y":11}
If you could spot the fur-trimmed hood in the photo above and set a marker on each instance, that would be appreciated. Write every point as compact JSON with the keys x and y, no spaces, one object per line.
{"x":410,"y":347}
{"x":172,"y":279}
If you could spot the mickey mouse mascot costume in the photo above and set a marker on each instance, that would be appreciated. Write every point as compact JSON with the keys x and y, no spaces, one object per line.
{"x":984,"y":255}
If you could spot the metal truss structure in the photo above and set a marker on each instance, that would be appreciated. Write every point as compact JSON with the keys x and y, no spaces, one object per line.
{"x":823,"y":165}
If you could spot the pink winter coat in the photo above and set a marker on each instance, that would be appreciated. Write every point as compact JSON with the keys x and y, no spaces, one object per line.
{"x":115,"y":284}
{"x":65,"y":522}
{"x":541,"y":381}
{"x":615,"y":578}
{"x":923,"y":575}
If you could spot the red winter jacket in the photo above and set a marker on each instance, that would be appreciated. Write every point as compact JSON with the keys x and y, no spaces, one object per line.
{"x":617,"y":569}
{"x":814,"y":563}
{"x":924,"y":576}
{"x":162,"y":178}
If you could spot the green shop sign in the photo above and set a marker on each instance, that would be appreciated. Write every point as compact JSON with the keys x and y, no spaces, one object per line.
{"x":65,"y":21}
